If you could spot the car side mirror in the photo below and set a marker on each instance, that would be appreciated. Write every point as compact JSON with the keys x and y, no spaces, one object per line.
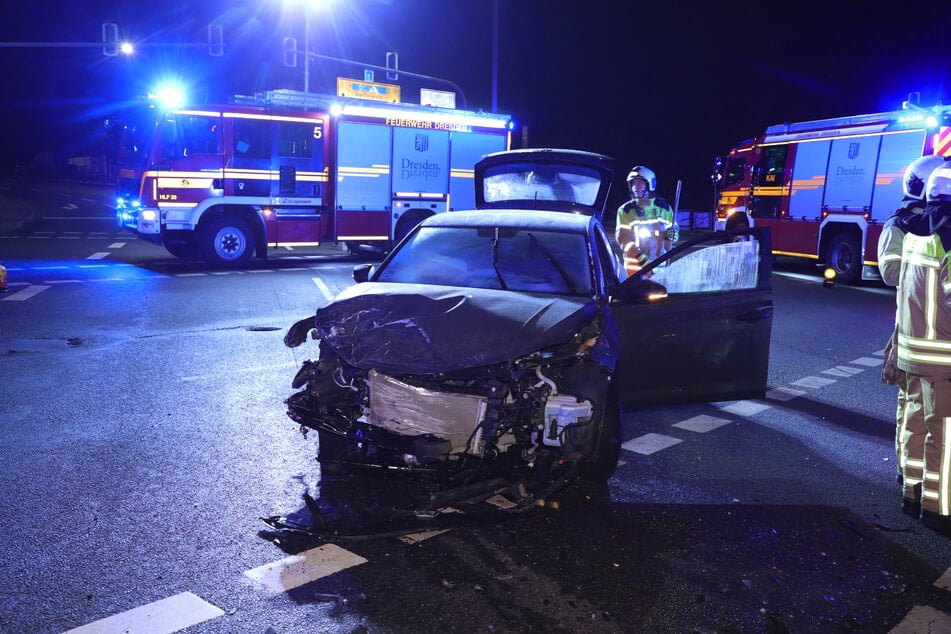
{"x":361,"y":272}
{"x":641,"y":291}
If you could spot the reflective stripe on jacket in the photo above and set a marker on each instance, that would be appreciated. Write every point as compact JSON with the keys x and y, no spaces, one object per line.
{"x":924,"y":307}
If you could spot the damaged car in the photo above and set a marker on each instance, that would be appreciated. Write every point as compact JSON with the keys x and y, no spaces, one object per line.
{"x":491,"y":352}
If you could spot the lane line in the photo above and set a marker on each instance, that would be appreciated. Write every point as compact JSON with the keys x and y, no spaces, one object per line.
{"x":324,"y":289}
{"x":116,"y":245}
{"x":161,"y":617}
{"x":294,"y":571}
{"x":98,"y":256}
{"x":869,"y":362}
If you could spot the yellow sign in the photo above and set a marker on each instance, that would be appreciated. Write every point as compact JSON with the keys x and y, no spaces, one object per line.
{"x":367,"y":90}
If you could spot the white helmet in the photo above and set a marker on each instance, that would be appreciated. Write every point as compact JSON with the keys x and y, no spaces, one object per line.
{"x":917,"y":173}
{"x":644,"y":173}
{"x":939,"y":185}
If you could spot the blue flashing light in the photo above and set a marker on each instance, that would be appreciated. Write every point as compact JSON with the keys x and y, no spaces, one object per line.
{"x":931,"y":121}
{"x":171,"y":95}
{"x":511,"y":125}
{"x":336,"y":110}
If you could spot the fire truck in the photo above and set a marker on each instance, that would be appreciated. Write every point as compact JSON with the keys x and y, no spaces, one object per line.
{"x":826,"y":187}
{"x":285,"y":168}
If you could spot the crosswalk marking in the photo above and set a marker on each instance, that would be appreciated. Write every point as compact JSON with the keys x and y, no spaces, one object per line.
{"x":813,"y":382}
{"x":783,"y":394}
{"x":744,"y":408}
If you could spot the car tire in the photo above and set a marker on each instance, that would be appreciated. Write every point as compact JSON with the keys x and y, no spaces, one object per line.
{"x":843,"y":257}
{"x":228,"y":242}
{"x":608,"y":444}
{"x":736,"y":221}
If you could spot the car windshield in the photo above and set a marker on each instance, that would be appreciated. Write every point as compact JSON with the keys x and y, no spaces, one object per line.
{"x":568,"y":183}
{"x":493,"y":257}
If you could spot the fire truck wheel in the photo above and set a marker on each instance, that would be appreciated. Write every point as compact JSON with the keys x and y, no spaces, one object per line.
{"x":843,"y":256}
{"x":228,"y":242}
{"x":737,"y":220}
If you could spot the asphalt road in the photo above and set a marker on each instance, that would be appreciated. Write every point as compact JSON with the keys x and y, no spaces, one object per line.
{"x":143,"y":437}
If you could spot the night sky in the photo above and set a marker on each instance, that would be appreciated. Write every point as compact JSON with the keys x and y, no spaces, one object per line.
{"x":666,"y":84}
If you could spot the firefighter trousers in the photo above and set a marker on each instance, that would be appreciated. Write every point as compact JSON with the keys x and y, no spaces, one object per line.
{"x":926,"y":441}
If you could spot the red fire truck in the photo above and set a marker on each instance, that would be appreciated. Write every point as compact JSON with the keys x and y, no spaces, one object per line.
{"x":825,"y":187}
{"x":283,"y":168}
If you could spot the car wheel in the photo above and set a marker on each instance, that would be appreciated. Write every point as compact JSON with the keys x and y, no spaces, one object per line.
{"x":737,"y":221}
{"x":843,"y":257}
{"x":227,"y":242}
{"x":608,"y":445}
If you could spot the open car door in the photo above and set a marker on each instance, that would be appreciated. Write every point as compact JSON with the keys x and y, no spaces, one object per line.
{"x":695,"y":324}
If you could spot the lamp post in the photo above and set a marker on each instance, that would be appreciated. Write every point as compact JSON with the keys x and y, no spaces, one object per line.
{"x":495,"y":55}
{"x":306,"y":49}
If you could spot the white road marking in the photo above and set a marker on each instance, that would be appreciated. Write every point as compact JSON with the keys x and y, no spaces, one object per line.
{"x":324,"y":289}
{"x":63,"y":281}
{"x":944,"y":581}
{"x":783,"y":394}
{"x":161,"y":617}
{"x":842,"y":374}
{"x":813,"y":382}
{"x":98,"y":256}
{"x":745,"y":408}
{"x":868,"y":362}
{"x":702,"y":423}
{"x":415,"y":538}
{"x":923,"y":618}
{"x":49,"y":268}
{"x":650,"y":443}
{"x":25,"y":294}
{"x":291,"y":572}
{"x":116,"y":245}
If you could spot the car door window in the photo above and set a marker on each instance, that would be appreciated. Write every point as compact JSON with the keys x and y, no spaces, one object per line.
{"x":727,"y":266}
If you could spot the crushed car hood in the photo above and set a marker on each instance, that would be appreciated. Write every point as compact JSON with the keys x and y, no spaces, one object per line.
{"x":423,"y":329}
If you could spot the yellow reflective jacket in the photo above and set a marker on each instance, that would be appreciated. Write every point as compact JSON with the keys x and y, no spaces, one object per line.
{"x":924,"y":307}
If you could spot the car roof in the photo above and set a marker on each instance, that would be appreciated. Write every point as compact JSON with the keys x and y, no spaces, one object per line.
{"x":515,"y":219}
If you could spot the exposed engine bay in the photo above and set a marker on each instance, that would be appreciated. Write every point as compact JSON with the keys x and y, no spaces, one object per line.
{"x":522,"y":429}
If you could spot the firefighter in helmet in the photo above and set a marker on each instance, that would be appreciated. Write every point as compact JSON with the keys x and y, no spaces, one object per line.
{"x":646,"y":227}
{"x":901,"y":222}
{"x":924,"y":355}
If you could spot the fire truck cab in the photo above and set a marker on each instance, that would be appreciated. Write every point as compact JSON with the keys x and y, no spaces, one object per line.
{"x":283,"y":168}
{"x":826,"y":187}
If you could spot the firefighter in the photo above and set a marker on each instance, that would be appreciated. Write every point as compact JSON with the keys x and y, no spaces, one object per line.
{"x":924,"y":354}
{"x":646,"y":227}
{"x":889,"y":263}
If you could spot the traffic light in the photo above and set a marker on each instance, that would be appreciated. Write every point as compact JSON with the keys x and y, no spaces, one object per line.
{"x":290,"y":52}
{"x":216,"y":40}
{"x":392,"y":65}
{"x":110,"y":39}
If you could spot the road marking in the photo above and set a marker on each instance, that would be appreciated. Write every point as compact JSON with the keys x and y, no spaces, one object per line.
{"x":702,"y":423}
{"x":923,"y":618}
{"x":842,"y":374}
{"x":415,"y":538}
{"x":161,"y":617}
{"x":783,"y":394}
{"x":650,"y":443}
{"x":63,"y":281}
{"x":98,"y":256}
{"x":116,"y":245}
{"x":744,"y":408}
{"x":868,"y":362}
{"x":328,"y":294}
{"x":944,"y":581}
{"x":289,"y":573}
{"x":813,"y":382}
{"x":25,"y":294}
